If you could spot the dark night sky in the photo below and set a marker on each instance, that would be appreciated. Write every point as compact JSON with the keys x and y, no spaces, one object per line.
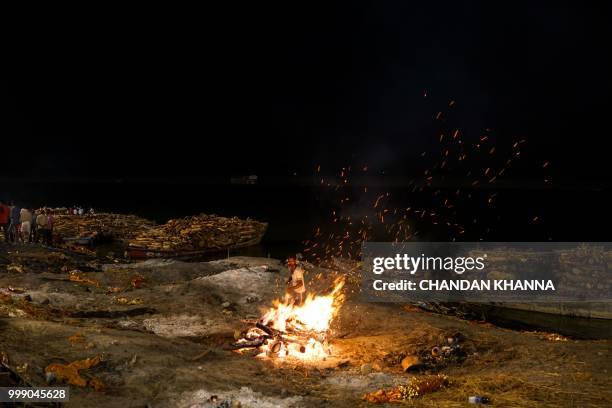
{"x":274,"y":90}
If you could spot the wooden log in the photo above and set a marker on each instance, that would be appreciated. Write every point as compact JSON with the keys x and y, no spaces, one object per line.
{"x":249,"y":343}
{"x":271,"y":331}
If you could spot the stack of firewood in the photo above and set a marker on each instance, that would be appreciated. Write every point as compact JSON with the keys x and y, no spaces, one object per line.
{"x":116,"y":226}
{"x":275,"y":342}
{"x":200,"y":232}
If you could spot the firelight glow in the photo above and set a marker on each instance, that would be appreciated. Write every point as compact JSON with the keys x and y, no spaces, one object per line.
{"x":306,"y":327}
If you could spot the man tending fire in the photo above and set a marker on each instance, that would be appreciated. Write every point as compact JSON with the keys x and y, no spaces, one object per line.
{"x":296,"y":282}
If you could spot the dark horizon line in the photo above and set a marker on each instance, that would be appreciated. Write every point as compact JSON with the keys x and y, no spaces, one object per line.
{"x":390,"y":181}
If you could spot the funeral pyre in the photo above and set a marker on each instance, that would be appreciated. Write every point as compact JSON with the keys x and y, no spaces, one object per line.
{"x":109,"y":225}
{"x":200,"y":232}
{"x":288,"y":330}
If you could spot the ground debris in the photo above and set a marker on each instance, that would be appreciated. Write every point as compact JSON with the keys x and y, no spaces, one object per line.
{"x":449,"y":350}
{"x":36,"y":259}
{"x":410,"y":362}
{"x":415,"y":387}
{"x":128,"y":301}
{"x":549,"y":336}
{"x":137,"y":281}
{"x":22,"y":306}
{"x":77,"y":276}
{"x":71,"y":372}
{"x":15,"y":293}
{"x":77,"y":338}
{"x":15,"y":268}
{"x":244,"y":397}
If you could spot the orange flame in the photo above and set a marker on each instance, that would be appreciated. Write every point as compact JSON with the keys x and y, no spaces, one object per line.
{"x":305,"y":327}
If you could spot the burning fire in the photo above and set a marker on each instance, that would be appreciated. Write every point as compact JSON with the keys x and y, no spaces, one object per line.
{"x":298,"y":331}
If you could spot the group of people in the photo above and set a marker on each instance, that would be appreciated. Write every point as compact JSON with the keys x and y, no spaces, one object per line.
{"x":78,"y":210}
{"x":20,"y":224}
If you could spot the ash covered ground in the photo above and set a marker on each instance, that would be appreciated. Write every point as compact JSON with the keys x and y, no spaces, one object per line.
{"x":160,"y":329}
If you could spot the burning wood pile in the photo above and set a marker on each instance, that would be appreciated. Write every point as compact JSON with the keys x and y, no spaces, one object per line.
{"x":115,"y":226}
{"x":288,"y":330}
{"x":200,"y":232}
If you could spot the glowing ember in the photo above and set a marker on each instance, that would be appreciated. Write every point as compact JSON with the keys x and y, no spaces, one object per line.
{"x":300,"y":331}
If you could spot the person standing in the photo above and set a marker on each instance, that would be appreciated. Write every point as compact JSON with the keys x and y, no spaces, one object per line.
{"x":15,"y":214}
{"x":25,"y":218}
{"x":42,"y":222}
{"x":34,"y":231}
{"x":296,"y":282}
{"x":5,"y":213}
{"x":49,"y":229}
